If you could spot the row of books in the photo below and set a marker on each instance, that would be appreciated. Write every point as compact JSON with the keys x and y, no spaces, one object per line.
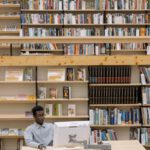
{"x":146,"y":115}
{"x":84,"y":49}
{"x":10,"y":27}
{"x":10,"y":2}
{"x":93,"y":31}
{"x":145,"y":136}
{"x":83,"y":4}
{"x":56,"y":109}
{"x":148,"y":50}
{"x":114,"y":116}
{"x":60,"y":4}
{"x":145,"y":75}
{"x":146,"y":95}
{"x":40,"y":46}
{"x":127,"y":4}
{"x":119,"y":18}
{"x":97,"y":136}
{"x":114,"y":95}
{"x":10,"y":131}
{"x":107,"y":74}
{"x":52,"y":94}
{"x":19,"y":74}
{"x":47,"y":18}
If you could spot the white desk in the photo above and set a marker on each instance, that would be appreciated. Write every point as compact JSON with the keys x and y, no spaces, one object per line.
{"x":115,"y":145}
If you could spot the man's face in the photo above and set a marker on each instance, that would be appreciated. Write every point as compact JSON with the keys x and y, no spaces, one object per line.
{"x":39,"y":117}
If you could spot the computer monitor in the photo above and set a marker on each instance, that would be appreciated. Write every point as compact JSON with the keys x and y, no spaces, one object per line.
{"x":67,"y":132}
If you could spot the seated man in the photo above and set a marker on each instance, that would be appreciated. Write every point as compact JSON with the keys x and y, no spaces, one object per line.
{"x":39,"y":134}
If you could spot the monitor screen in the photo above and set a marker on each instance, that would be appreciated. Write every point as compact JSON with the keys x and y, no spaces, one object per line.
{"x":65,"y":133}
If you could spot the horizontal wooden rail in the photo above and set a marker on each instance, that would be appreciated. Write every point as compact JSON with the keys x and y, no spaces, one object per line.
{"x":73,"y":60}
{"x":64,"y":39}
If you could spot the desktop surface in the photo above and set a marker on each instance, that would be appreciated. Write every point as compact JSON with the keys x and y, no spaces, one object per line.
{"x":115,"y":145}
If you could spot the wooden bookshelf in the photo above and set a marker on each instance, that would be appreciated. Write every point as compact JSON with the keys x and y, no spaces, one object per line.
{"x":11,"y":137}
{"x":63,"y":100}
{"x":116,"y":126}
{"x":73,"y":60}
{"x":70,"y":82}
{"x":67,"y":117}
{"x":10,"y":32}
{"x":115,"y":105}
{"x":64,"y":39}
{"x":10,"y":6}
{"x":17,"y":101}
{"x":17,"y":17}
{"x":17,"y":82}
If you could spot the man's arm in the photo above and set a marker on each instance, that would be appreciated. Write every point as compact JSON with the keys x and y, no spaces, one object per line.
{"x":29,"y":139}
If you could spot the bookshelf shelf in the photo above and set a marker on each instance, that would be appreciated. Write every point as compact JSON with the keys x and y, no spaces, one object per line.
{"x":9,"y":5}
{"x":145,"y":85}
{"x":72,"y":82}
{"x":17,"y":82}
{"x":63,"y":100}
{"x":17,"y":101}
{"x":87,"y":10}
{"x":34,"y":50}
{"x":65,"y":39}
{"x":74,"y":60}
{"x":146,"y":105}
{"x":115,"y":105}
{"x":11,"y":137}
{"x":130,"y":50}
{"x":10,"y":17}
{"x":8,"y":47}
{"x":146,"y":125}
{"x":15,"y":117}
{"x":40,"y":25}
{"x":9,"y":32}
{"x":133,"y":84}
{"x":116,"y":126}
{"x":67,"y":117}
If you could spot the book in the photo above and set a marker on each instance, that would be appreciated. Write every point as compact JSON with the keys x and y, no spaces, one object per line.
{"x":70,"y":74}
{"x":42,"y":92}
{"x":71,"y":110}
{"x":48,"y":109}
{"x":56,"y":75}
{"x":67,"y":92}
{"x":57,"y":109}
{"x":81,"y":74}
{"x":12,"y":74}
{"x":28,"y":74}
{"x":53,"y":93}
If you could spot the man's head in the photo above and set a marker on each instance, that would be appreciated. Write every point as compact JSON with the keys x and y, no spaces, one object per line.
{"x":38,"y":114}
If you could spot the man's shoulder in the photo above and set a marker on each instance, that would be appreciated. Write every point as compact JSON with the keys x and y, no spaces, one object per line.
{"x":50,"y":125}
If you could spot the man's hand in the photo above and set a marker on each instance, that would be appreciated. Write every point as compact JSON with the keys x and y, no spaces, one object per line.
{"x":41,"y":147}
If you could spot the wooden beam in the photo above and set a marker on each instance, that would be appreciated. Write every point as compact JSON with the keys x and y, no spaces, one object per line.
{"x":91,"y":39}
{"x":73,"y":60}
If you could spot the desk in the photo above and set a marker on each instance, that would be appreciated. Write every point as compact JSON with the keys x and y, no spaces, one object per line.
{"x":115,"y":145}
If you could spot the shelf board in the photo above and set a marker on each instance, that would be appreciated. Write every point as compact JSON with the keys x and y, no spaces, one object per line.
{"x":145,"y":84}
{"x":109,"y":84}
{"x":72,"y":82}
{"x":116,"y":126}
{"x":10,"y":32}
{"x":17,"y":101}
{"x":63,"y":100}
{"x":11,"y":137}
{"x":17,"y":82}
{"x":115,"y":105}
{"x":8,"y":47}
{"x":129,"y":50}
{"x":17,"y":17}
{"x":75,"y":39}
{"x":40,"y":25}
{"x":87,"y":10}
{"x":146,"y":125}
{"x":9,"y":5}
{"x":146,"y":105}
{"x":74,"y":60}
{"x":67,"y":117}
{"x":15,"y":117}
{"x":40,"y":50}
